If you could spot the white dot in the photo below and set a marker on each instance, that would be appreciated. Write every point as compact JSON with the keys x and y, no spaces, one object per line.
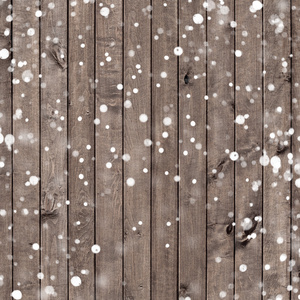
{"x":167,"y":121}
{"x":126,"y":157}
{"x":49,"y":290}
{"x":108,"y":165}
{"x":198,"y":19}
{"x":35,"y":246}
{"x":95,"y":249}
{"x":243,"y":268}
{"x":271,"y":87}
{"x":177,"y":178}
{"x":16,"y":294}
{"x":168,"y":223}
{"x":264,"y":161}
{"x":104,"y":11}
{"x":31,"y":31}
{"x":143,"y":118}
{"x":4,"y":53}
{"x":103,"y":108}
{"x":120,"y":86}
{"x":257,"y":5}
{"x":267,"y":267}
{"x":130,"y":181}
{"x":280,"y":240}
{"x":163,"y":75}
{"x":276,"y":162}
{"x":238,"y":53}
{"x":165,"y":134}
{"x":33,"y":180}
{"x":167,"y":245}
{"x":233,"y":24}
{"x":218,"y":259}
{"x":178,"y":51}
{"x":127,"y":104}
{"x":240,"y":119}
{"x":234,"y":156}
{"x":297,"y":182}
{"x":76,"y":281}
{"x":38,"y":13}
{"x":283,"y":257}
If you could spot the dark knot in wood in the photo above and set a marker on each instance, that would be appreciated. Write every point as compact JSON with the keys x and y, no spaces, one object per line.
{"x":186,"y":79}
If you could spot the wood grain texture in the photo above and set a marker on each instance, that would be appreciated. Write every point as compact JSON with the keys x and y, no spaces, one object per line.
{"x":137,"y":128}
{"x":26,"y":154}
{"x":54,"y":104}
{"x":192,"y":152}
{"x":220,"y":143}
{"x":165,"y":132}
{"x":81,"y":149}
{"x":276,"y":189}
{"x":109,"y":149}
{"x":5,"y":155}
{"x":248,"y":140}
{"x":295,"y":238}
{"x":164,"y":150}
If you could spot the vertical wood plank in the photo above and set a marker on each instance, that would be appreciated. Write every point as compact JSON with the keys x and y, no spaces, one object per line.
{"x":109,"y":147}
{"x":81,"y":152}
{"x":54,"y":148}
{"x":248,"y":139}
{"x":164,"y":150}
{"x":295,"y":238}
{"x":220,"y":146}
{"x":5,"y":153}
{"x":137,"y":128}
{"x":192,"y":147}
{"x":276,"y":209}
{"x":26,"y":157}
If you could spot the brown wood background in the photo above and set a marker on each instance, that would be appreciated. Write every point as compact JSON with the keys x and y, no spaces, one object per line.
{"x":91,"y":103}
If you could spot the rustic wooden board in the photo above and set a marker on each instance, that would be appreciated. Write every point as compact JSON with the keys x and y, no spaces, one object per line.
{"x":192,"y":147}
{"x":54,"y":103}
{"x":26,"y":156}
{"x":137,"y":128}
{"x":276,"y":189}
{"x":123,"y":143}
{"x":220,"y":138}
{"x":109,"y":149}
{"x":164,"y":151}
{"x":295,"y":238}
{"x":5,"y":155}
{"x":248,"y":141}
{"x":81,"y":152}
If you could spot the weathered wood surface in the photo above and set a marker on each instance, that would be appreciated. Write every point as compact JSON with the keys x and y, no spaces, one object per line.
{"x":149,"y":150}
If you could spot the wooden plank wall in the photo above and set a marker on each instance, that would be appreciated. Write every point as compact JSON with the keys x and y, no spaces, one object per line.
{"x":149,"y":149}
